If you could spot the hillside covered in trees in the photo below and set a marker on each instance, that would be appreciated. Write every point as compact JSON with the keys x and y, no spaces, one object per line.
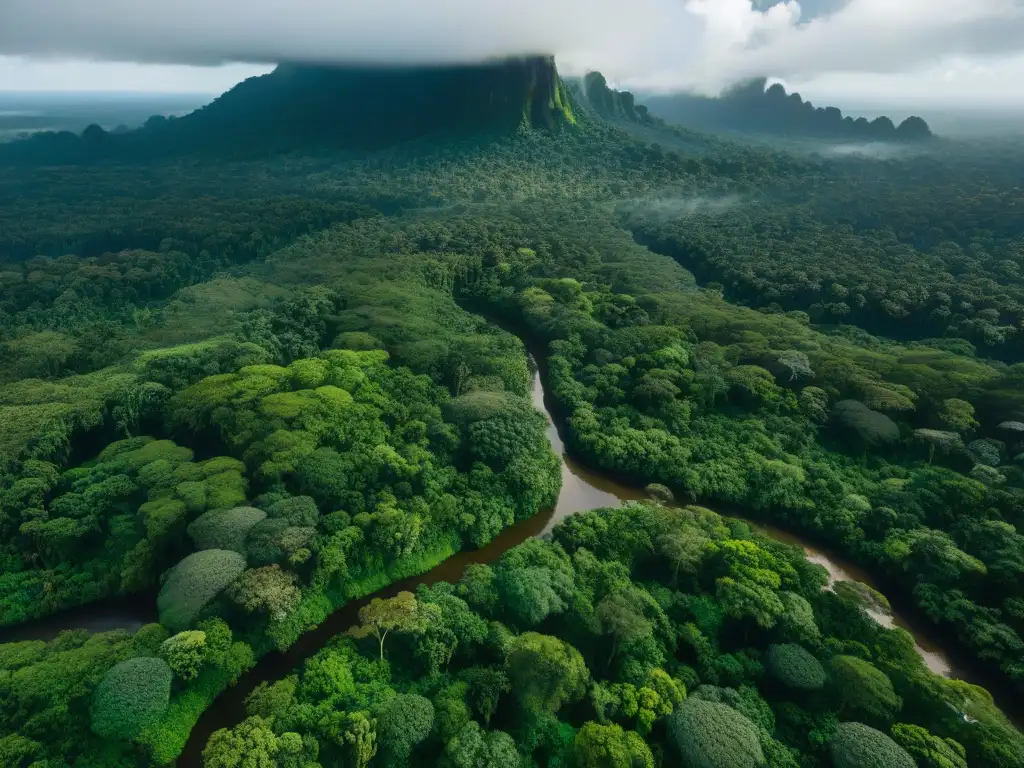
{"x":757,"y":108}
{"x":254,"y":387}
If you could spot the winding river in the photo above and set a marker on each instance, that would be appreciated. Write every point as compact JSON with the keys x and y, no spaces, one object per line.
{"x":582,"y":489}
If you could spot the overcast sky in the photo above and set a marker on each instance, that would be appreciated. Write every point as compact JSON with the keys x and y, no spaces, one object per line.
{"x":917,"y":52}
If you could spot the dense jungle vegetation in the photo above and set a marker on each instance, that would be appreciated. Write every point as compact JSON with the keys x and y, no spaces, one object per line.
{"x":263,"y":387}
{"x":639,"y":636}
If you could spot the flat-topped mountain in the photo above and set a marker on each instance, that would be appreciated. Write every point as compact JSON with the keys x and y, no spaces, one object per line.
{"x":364,"y":107}
{"x":352,"y":107}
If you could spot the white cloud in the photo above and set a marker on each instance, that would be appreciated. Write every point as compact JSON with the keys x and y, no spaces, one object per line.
{"x":21,"y":74}
{"x":664,"y":44}
{"x":953,"y":81}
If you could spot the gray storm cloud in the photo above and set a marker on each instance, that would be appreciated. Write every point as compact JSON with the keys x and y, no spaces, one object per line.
{"x":662,"y":44}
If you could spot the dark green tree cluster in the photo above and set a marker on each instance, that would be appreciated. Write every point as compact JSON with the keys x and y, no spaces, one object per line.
{"x":904,"y":456}
{"x":359,"y":473}
{"x":865,"y":275}
{"x":108,"y":526}
{"x":91,"y":699}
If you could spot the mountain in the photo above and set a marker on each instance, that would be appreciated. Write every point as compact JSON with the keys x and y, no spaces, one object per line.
{"x":753,"y":108}
{"x":610,"y":104}
{"x":306,"y":106}
{"x":362,"y":107}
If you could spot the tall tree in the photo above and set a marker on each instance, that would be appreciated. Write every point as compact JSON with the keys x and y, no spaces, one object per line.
{"x":400,"y":613}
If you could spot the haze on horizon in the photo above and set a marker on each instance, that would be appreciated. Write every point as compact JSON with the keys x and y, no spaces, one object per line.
{"x":910,"y":53}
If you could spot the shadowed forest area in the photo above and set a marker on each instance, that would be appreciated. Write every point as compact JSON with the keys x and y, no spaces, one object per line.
{"x":261,"y":379}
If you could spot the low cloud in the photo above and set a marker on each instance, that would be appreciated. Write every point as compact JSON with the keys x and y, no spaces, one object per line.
{"x":673,"y":208}
{"x":872,"y":150}
{"x":699,"y":45}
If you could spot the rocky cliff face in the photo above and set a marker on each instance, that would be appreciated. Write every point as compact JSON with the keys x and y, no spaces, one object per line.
{"x":611,"y":104}
{"x":361,"y":107}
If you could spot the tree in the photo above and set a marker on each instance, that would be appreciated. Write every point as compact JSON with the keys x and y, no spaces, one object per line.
{"x":297,"y":510}
{"x":946,"y":443}
{"x":130,"y":696}
{"x":984,"y":452}
{"x":794,"y":667}
{"x":796,"y":364}
{"x":500,"y":439}
{"x":662,"y":494}
{"x":753,"y":385}
{"x":360,"y":735}
{"x":403,"y":723}
{"x":18,"y":750}
{"x":473,"y":747}
{"x":683,"y":549}
{"x":268,"y":589}
{"x":888,"y":396}
{"x":989,"y":476}
{"x":620,"y":616}
{"x":185,"y":653}
{"x":486,"y":686}
{"x":400,"y":613}
{"x":856,"y":745}
{"x":608,"y":746}
{"x":712,"y":735}
{"x":478,"y":588}
{"x":272,"y":700}
{"x":957,"y":414}
{"x":533,"y":593}
{"x":863,"y":690}
{"x":798,"y":622}
{"x":193,"y":583}
{"x":225,"y":529}
{"x":253,"y":743}
{"x":753,"y":576}
{"x":928,"y":750}
{"x":872,"y":428}
{"x":545,"y":672}
{"x":449,"y":625}
{"x":814,"y":404}
{"x":327,"y":677}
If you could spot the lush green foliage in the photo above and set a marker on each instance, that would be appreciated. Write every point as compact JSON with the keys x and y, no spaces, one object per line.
{"x":608,"y":746}
{"x":928,"y":750}
{"x":225,"y":529}
{"x":856,"y":745}
{"x":107,"y":526}
{"x":794,"y":667}
{"x":864,"y":691}
{"x":185,"y":653}
{"x":712,"y":735}
{"x":131,"y":696}
{"x":273,"y":357}
{"x":193,"y":583}
{"x":807,"y":427}
{"x":470,"y":679}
